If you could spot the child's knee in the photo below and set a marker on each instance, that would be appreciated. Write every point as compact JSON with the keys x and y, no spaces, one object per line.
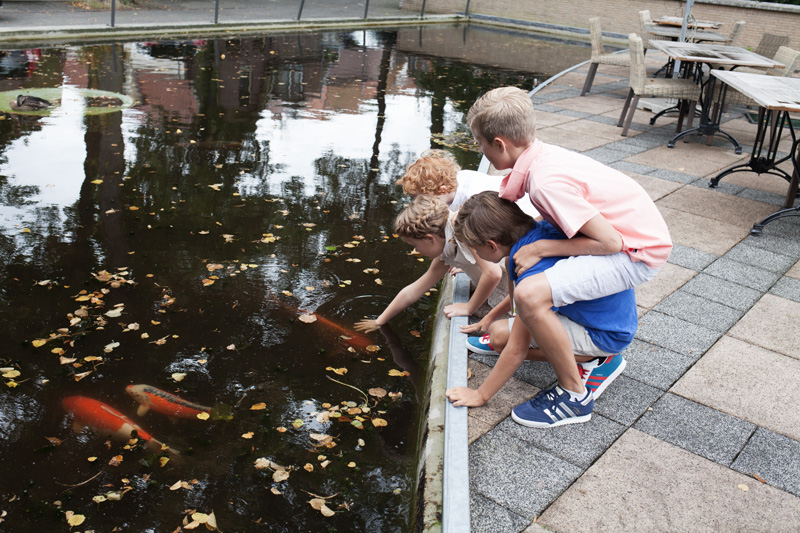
{"x":534,"y":298}
{"x":498,"y":335}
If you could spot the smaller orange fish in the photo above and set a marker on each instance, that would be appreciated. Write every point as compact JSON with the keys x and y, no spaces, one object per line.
{"x":106,"y":420}
{"x":348,"y":336}
{"x":163,"y":402}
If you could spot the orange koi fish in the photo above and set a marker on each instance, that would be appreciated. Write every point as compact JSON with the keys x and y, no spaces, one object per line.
{"x":163,"y":402}
{"x":105,"y":419}
{"x":348,"y":336}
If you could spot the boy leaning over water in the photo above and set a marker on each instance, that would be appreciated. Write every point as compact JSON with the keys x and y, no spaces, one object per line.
{"x":597,"y":329}
{"x":617,"y":238}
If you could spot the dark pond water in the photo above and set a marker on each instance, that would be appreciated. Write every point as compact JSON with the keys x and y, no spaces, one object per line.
{"x":178,"y":244}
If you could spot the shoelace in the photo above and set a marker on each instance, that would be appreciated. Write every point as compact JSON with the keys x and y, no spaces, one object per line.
{"x":545,"y":398}
{"x":583,"y":372}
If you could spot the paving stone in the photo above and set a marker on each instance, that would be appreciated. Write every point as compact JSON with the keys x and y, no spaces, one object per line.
{"x":748,"y":254}
{"x":700,"y":311}
{"x":672,"y":175}
{"x":698,"y":232}
{"x":605,"y":155}
{"x":724,"y":187}
{"x":647,"y":141}
{"x":743,"y":274}
{"x":625,"y":166}
{"x":773,"y":323}
{"x":710,"y":204}
{"x":537,"y":373}
{"x":779,"y":236}
{"x":645,"y":484}
{"x":625,"y":400}
{"x":476,"y":428}
{"x":579,"y":444}
{"x":517,"y":476}
{"x":575,"y":113}
{"x":488,"y":517}
{"x":762,"y":196}
{"x":540,"y":105}
{"x":794,"y":272}
{"x":774,"y":458}
{"x":690,"y":258}
{"x":722,"y":291}
{"x":514,"y":392}
{"x":788,"y":288}
{"x":602,"y":119}
{"x":747,"y":382}
{"x":675,"y":334}
{"x":654,"y":365}
{"x":655,"y":187}
{"x":696,"y":428}
{"x":626,"y":149}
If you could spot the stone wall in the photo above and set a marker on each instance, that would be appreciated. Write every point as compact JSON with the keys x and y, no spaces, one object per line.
{"x":622,"y":16}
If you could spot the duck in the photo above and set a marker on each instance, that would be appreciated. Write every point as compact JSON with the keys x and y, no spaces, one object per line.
{"x":29,"y":103}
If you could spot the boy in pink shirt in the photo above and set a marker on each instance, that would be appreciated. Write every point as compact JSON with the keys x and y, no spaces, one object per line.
{"x":617,"y":238}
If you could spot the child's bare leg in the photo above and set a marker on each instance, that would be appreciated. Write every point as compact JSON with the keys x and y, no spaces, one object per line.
{"x":499,"y":332}
{"x":534,"y":302}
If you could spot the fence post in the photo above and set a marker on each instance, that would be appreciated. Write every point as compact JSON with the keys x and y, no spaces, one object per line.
{"x":422,"y":11}
{"x":366,"y":8}
{"x":300,"y":11}
{"x":113,"y":11}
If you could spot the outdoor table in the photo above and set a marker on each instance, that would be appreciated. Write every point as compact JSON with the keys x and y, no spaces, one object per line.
{"x":671,"y":32}
{"x":678,"y":21}
{"x":698,"y":54}
{"x":777,"y":97}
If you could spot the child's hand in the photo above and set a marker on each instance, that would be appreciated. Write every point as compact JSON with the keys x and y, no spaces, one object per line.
{"x":481,"y":327}
{"x":456,"y":310}
{"x":367,"y":325}
{"x":526,"y":257}
{"x":453,"y":271}
{"x":464,"y":396}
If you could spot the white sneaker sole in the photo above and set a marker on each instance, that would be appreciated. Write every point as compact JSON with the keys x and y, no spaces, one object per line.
{"x":562,"y":422}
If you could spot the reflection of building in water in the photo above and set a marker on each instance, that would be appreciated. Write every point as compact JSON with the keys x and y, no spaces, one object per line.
{"x":494,"y":47}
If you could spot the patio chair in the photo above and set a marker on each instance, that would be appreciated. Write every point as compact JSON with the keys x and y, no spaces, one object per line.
{"x":770,"y":42}
{"x":644,"y":21}
{"x":685,"y":90}
{"x":599,"y":57}
{"x":736,"y":33}
{"x":786,"y":56}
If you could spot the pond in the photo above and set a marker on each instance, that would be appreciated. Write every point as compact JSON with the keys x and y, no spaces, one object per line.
{"x":216,"y":241}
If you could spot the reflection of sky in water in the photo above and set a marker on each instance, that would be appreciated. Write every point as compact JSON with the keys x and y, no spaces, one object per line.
{"x":50,"y":159}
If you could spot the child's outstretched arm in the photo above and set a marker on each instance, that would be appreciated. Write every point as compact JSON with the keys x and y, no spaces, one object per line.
{"x":491,"y":274}
{"x":407,"y":296}
{"x":509,"y":361}
{"x":595,"y":237}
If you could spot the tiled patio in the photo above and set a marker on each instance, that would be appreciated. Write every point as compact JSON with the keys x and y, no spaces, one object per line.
{"x":700,"y":433}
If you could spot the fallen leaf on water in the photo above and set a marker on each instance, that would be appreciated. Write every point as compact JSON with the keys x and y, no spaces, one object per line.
{"x":203,"y":416}
{"x":415,"y":333}
{"x":395,"y":395}
{"x":280,"y":475}
{"x":258,"y":406}
{"x":55,"y":441}
{"x":262,"y":463}
{"x":340,"y":371}
{"x":39,"y":342}
{"x":308,"y":467}
{"x":11,"y":374}
{"x":248,"y":435}
{"x":110,"y":347}
{"x":114,"y":313}
{"x":281,"y":429}
{"x":397,"y":373}
{"x":82,"y":375}
{"x":297,"y":423}
{"x":318,"y":504}
{"x":178,"y":376}
{"x":275,"y":491}
{"x":308,"y":319}
{"x":377,"y":392}
{"x":351,"y":464}
{"x":206,"y":282}
{"x":378,"y":281}
{"x":372,"y":348}
{"x":74,"y":519}
{"x":115,"y":461}
{"x":379,"y":422}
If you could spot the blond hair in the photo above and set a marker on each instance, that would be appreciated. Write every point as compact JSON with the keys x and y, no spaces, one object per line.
{"x":433,"y":173}
{"x":425,"y":215}
{"x":503,"y":112}
{"x":487,"y":217}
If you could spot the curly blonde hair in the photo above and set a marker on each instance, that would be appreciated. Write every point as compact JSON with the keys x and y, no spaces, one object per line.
{"x":503,"y":112}
{"x":434,"y":173}
{"x":425,"y":215}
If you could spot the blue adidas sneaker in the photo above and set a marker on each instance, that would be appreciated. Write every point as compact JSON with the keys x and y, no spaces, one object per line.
{"x":480,"y":345}
{"x":552,"y":407}
{"x":598,"y":373}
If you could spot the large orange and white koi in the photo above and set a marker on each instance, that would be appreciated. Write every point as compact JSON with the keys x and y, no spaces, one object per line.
{"x":346,"y":335}
{"x":163,"y":402}
{"x":107,"y":420}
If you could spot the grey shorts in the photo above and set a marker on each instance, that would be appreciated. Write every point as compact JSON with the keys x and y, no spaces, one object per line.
{"x":588,"y":277}
{"x":579,"y":338}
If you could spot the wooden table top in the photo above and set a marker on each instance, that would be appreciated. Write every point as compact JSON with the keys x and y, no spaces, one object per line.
{"x":717,"y":54}
{"x":678,"y":21}
{"x":775,"y":93}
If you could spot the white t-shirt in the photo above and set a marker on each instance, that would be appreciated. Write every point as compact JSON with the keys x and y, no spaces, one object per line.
{"x":471,"y":182}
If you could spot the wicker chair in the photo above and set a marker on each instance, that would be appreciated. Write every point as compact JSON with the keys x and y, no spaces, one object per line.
{"x":599,"y":57}
{"x":644,"y":22}
{"x":736,"y":33}
{"x":679,"y":88}
{"x":769,"y":44}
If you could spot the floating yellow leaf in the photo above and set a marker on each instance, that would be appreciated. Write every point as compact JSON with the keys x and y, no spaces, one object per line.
{"x":262,"y":463}
{"x":203,"y":416}
{"x":114,"y":313}
{"x":308,"y":467}
{"x":206,"y":282}
{"x":415,"y":333}
{"x":258,"y":406}
{"x":377,"y":392}
{"x":351,"y":464}
{"x":99,"y":499}
{"x":96,"y":182}
{"x":378,"y":281}
{"x":248,"y":435}
{"x":281,"y":429}
{"x":39,"y":342}
{"x":297,"y":423}
{"x":287,"y":293}
{"x":11,"y":374}
{"x":308,"y":319}
{"x":178,"y":376}
{"x":379,"y":422}
{"x":275,"y":491}
{"x":395,"y":395}
{"x":163,"y":461}
{"x":373,"y":348}
{"x":82,"y":375}
{"x":110,"y":347}
{"x":133,"y":208}
{"x":74,"y":519}
{"x":341,"y":371}
{"x":280,"y":475}
{"x":395,"y":372}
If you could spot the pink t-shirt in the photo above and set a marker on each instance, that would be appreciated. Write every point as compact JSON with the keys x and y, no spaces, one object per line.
{"x":569,"y":189}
